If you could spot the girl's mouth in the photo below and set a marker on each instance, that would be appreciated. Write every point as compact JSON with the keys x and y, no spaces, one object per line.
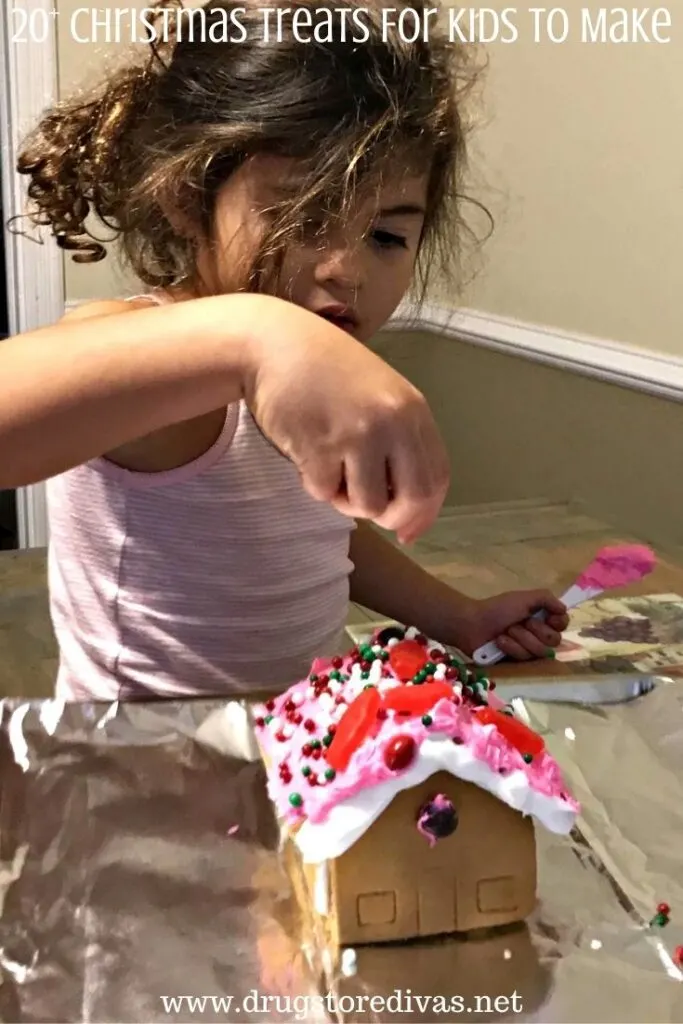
{"x":345,"y":321}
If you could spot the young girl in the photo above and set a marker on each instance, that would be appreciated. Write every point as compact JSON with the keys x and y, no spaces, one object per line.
{"x":210,"y":444}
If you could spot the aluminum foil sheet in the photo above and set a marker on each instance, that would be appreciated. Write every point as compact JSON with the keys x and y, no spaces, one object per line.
{"x":140,"y":880}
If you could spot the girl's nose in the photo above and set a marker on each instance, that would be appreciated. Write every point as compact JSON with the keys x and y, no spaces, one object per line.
{"x":340,"y":263}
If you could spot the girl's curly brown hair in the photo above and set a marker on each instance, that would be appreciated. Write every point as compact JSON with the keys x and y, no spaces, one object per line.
{"x":164,"y":134}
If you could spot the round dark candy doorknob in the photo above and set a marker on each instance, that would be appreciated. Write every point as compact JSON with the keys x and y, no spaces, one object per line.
{"x":437,"y":819}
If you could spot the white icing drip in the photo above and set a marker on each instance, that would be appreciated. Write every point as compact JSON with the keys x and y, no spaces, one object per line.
{"x":348,"y":820}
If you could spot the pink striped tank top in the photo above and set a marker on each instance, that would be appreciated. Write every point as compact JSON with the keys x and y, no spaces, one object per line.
{"x":221,"y":576}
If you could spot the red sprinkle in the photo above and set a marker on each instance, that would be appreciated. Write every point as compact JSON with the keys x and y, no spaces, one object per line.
{"x":339,"y":699}
{"x":332,"y":729}
{"x":260,"y":721}
{"x":290,"y":705}
{"x":451,"y":673}
{"x":492,"y":685}
{"x":296,"y":719}
{"x":309,"y":725}
{"x":421,"y":639}
{"x":678,"y":956}
{"x":280,"y":737}
{"x":382,"y":713}
{"x":312,"y":779}
{"x":317,"y":753}
{"x":323,"y":680}
{"x":337,"y":662}
{"x":270,"y":705}
{"x":307,"y":750}
{"x":435,"y":655}
{"x":365,"y":666}
{"x":663,"y":908}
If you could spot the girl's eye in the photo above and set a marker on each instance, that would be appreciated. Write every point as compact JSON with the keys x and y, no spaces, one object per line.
{"x":388,"y":240}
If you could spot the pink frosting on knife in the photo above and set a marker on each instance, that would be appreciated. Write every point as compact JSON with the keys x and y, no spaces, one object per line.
{"x":282,"y":740}
{"x":617,"y":566}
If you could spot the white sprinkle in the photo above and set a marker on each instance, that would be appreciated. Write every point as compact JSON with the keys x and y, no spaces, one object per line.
{"x":411,"y":633}
{"x":376,"y":648}
{"x":326,"y":702}
{"x":348,"y":962}
{"x":569,"y":733}
{"x":507,"y":955}
{"x":260,"y":711}
{"x":596,"y":944}
{"x":392,"y":643}
{"x":310,"y":693}
{"x":339,"y":710}
{"x":334,"y":686}
{"x":440,"y":671}
{"x":274,"y":724}
{"x":233,"y":829}
{"x":297,"y":699}
{"x":375,"y":673}
{"x":287,"y":731}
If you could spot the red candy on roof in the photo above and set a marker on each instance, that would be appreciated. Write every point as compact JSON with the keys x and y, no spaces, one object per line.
{"x":515,"y":732}
{"x":355,"y":725}
{"x":417,"y":700}
{"x":406,"y":658}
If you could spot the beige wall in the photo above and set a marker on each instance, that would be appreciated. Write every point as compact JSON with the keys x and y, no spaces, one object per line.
{"x":584,"y":174}
{"x":516,"y":429}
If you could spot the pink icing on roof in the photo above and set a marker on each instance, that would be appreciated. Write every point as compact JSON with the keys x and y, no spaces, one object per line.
{"x":300,"y":718}
{"x":617,"y":566}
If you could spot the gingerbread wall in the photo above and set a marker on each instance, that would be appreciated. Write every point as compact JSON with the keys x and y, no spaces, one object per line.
{"x":392,"y":885}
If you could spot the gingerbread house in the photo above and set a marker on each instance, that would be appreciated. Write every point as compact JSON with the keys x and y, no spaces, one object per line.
{"x":407,"y":794}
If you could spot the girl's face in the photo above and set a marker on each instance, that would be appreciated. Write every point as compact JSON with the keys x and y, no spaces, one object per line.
{"x":354,"y":273}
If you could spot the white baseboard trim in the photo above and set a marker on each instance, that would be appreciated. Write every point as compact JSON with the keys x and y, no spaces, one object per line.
{"x":653,"y":373}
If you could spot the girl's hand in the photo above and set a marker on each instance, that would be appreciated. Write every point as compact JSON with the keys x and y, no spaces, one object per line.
{"x":361,"y":436}
{"x":507,"y":619}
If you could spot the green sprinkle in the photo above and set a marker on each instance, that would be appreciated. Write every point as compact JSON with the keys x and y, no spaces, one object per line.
{"x":295,"y":799}
{"x":365,"y":675}
{"x":336,"y":676}
{"x":528,"y":758}
{"x":305,"y":770}
{"x":427,"y":720}
{"x":313,"y":678}
{"x":369,"y":686}
{"x":268,"y":718}
{"x":327,"y":740}
{"x":384,"y":656}
{"x":315,"y":744}
{"x":330,"y":774}
{"x":550,"y":653}
{"x":429,"y":668}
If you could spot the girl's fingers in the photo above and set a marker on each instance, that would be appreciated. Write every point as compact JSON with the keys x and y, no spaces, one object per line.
{"x":530,"y":644}
{"x":366,"y":486}
{"x":543,"y":632}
